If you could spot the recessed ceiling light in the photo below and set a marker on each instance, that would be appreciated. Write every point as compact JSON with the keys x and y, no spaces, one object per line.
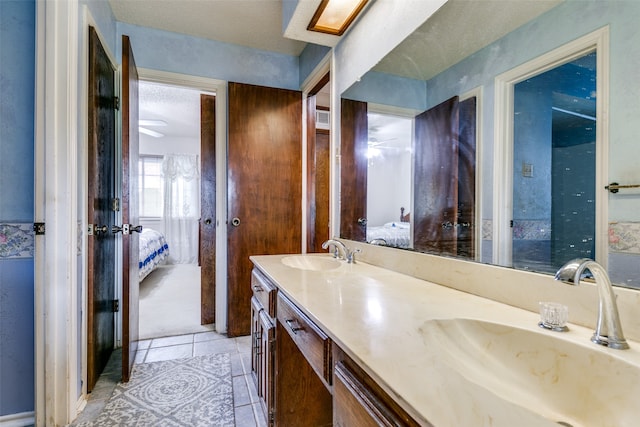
{"x":335,"y":16}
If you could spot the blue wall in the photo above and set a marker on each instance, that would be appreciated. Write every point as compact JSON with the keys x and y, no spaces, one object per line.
{"x":177,"y":53}
{"x":17,"y":75}
{"x":389,"y":89}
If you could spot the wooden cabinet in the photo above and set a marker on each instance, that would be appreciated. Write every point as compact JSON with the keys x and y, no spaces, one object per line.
{"x":358,"y":401}
{"x":263,"y":341}
{"x":302,"y":377}
{"x":303,"y":395}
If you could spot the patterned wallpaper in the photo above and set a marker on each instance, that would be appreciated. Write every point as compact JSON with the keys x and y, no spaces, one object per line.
{"x":623,"y":236}
{"x":16,"y":240}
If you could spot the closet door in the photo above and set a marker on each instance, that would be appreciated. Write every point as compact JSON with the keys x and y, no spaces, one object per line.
{"x":207,"y":245}
{"x":353,"y":169}
{"x":264,"y":187}
{"x":436,"y":179}
{"x":130,"y":210}
{"x":101,"y":253}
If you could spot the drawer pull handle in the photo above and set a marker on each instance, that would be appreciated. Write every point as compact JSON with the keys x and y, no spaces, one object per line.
{"x":290,"y":323}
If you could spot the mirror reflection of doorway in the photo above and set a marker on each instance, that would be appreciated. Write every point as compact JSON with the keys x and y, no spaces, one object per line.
{"x":554,"y":166}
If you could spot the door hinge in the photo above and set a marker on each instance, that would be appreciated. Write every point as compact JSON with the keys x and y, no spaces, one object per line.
{"x":115,"y":204}
{"x":39,"y":228}
{"x":116,"y":305}
{"x":511,"y":223}
{"x":116,"y":103}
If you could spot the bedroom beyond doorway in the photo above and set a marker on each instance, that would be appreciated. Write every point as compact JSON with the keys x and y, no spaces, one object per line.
{"x":170,"y":302}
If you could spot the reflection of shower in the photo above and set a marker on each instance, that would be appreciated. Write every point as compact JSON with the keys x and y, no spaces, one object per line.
{"x":554,"y":132}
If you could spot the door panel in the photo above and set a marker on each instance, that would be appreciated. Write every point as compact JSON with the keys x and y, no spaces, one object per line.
{"x":467,"y":179}
{"x":264,"y":190}
{"x":353,"y":169}
{"x":436,"y":179}
{"x":321,"y":189}
{"x":101,"y":190}
{"x":208,"y":209}
{"x":317,"y":181}
{"x":130,"y":214}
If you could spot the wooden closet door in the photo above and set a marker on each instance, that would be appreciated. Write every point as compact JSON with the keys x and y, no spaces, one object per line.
{"x":264,"y":187}
{"x":353,"y":169}
{"x":467,"y":179}
{"x":101,"y":252}
{"x":130,"y":209}
{"x":436,"y":179}
{"x":207,"y":243}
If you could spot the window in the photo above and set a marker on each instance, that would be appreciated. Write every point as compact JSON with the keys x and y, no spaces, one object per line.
{"x":150,"y":184}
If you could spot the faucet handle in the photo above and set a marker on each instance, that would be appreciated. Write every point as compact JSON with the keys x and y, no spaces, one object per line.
{"x":351,"y":256}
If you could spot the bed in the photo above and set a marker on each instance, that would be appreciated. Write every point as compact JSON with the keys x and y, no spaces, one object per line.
{"x":394,"y":233}
{"x":153,"y":251}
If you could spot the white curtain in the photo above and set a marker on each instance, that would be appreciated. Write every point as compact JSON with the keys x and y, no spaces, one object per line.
{"x":181,"y":173}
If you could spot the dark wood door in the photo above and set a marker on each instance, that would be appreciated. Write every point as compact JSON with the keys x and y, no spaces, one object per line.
{"x":318,"y":155}
{"x":101,"y":191}
{"x":130,"y":209}
{"x":322,"y":162}
{"x":436,"y":179}
{"x":264,"y":187}
{"x":466,"y":246}
{"x":353,"y":169}
{"x":207,"y":209}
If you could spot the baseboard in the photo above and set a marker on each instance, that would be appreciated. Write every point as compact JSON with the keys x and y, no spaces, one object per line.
{"x":21,"y":419}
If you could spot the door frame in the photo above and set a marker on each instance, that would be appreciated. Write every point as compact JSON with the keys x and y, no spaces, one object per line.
{"x":60,"y":168}
{"x":220,"y":89}
{"x":597,"y":40}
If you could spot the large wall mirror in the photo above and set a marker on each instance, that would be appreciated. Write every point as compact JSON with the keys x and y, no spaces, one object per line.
{"x":493,"y":133}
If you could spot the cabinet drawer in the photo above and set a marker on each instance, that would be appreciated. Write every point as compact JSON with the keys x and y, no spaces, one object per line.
{"x":314,"y":344}
{"x":264,"y":291}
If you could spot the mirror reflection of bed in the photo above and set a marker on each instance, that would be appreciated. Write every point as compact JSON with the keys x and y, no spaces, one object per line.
{"x":393,"y":233}
{"x":169,"y":270}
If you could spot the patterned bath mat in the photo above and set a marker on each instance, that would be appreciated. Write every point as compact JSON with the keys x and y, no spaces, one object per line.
{"x":185,"y":392}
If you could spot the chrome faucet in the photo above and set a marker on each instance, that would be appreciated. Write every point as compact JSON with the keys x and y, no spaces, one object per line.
{"x":608,"y":329}
{"x":378,"y":241}
{"x":340,"y":251}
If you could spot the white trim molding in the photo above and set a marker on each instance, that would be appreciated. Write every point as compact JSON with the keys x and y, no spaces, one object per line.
{"x":21,"y":419}
{"x":57,"y":205}
{"x":597,"y":41}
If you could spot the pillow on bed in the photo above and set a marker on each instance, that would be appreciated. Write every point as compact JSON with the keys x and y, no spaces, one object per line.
{"x":397,"y":224}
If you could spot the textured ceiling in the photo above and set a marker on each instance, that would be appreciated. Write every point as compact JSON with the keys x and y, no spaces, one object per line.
{"x":455,"y":31}
{"x":252,"y":23}
{"x":178,"y":107}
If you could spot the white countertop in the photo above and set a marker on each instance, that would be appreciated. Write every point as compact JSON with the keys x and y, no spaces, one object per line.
{"x":380,"y":319}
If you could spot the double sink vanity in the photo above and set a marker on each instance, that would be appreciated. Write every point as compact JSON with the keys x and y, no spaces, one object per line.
{"x":355,"y":344}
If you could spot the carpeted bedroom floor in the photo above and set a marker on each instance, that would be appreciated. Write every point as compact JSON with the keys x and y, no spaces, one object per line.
{"x":170,"y":302}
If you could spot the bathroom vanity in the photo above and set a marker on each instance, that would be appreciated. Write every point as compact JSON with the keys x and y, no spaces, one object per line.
{"x":359,"y":345}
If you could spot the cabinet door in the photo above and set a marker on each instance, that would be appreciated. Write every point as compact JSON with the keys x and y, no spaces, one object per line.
{"x":265,"y":381}
{"x":355,"y":405}
{"x":255,"y":340}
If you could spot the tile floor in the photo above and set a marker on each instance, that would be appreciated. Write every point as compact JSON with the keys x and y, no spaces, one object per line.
{"x":248,"y":412}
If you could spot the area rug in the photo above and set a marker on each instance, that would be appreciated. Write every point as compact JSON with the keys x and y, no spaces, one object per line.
{"x":184,"y":392}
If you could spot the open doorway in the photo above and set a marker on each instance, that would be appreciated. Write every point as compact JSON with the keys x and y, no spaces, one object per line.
{"x":318,"y":164}
{"x":170,"y":177}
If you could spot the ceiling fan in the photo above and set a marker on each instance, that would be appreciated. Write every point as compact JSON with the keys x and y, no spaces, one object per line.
{"x":150,"y":122}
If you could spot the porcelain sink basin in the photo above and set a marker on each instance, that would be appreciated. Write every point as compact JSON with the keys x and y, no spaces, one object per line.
{"x":311,"y":263}
{"x":536,"y":372}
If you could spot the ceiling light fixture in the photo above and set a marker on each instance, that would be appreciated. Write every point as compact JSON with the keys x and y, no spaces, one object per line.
{"x":335,"y":16}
